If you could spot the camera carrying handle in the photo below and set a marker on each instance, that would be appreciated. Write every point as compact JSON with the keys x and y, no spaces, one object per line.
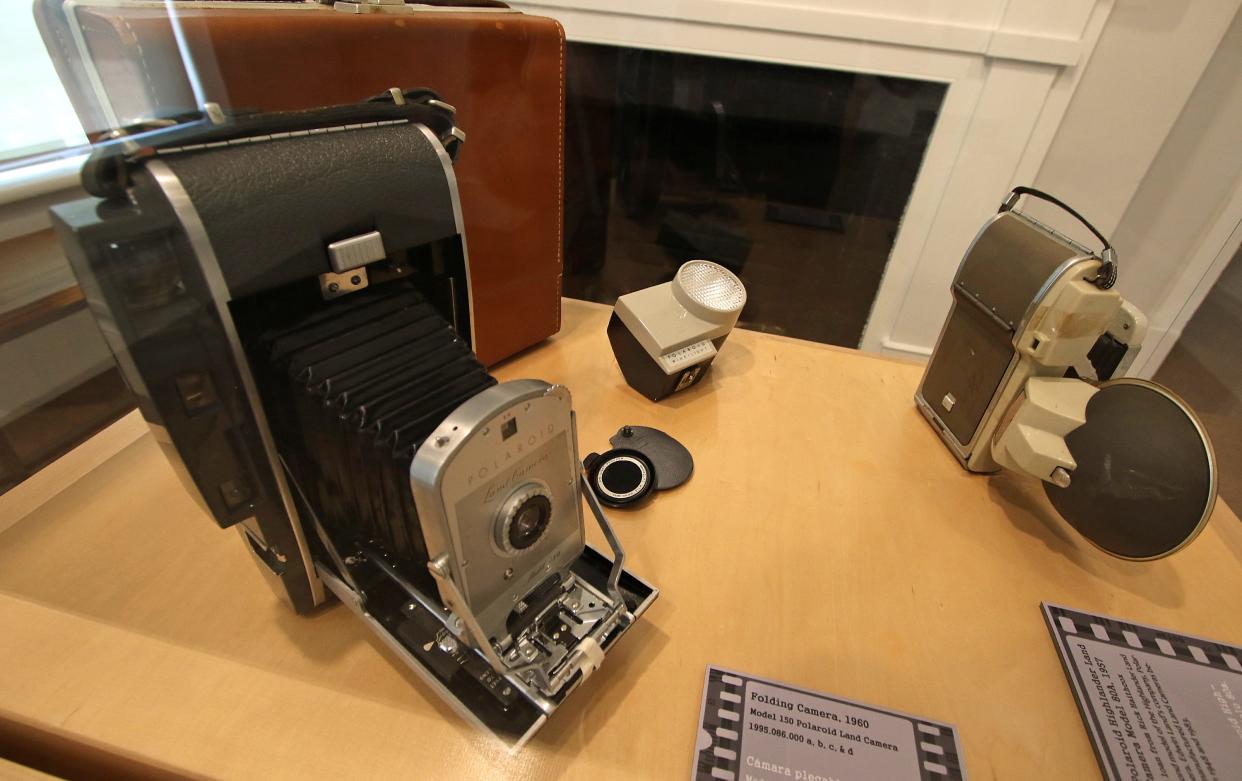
{"x":106,"y":172}
{"x":1107,"y":276}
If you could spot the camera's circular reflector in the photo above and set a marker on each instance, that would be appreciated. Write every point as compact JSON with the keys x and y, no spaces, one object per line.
{"x":1145,"y":483}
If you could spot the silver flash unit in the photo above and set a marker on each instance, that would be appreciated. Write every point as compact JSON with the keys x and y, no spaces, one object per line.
{"x":665,"y":337}
{"x":499,"y":491}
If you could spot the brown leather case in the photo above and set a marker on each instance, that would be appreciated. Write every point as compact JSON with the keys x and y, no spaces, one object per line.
{"x":502,"y":70}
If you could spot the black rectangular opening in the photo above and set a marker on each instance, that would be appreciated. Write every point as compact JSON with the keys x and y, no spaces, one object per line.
{"x":795,"y":178}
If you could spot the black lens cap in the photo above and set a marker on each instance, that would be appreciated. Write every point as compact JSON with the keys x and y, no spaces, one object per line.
{"x":620,"y":477}
{"x":670,"y":459}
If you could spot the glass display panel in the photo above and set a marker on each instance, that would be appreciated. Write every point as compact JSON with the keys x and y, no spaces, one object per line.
{"x":1208,"y":375}
{"x":794,"y":178}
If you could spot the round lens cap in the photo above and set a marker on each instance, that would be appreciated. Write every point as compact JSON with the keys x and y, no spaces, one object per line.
{"x":1145,"y":483}
{"x":621,"y":477}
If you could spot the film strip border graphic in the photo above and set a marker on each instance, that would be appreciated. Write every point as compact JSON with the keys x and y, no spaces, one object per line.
{"x":721,"y":720}
{"x":937,"y":751}
{"x":721,"y":723}
{"x":1137,"y":637}
{"x":1064,"y":623}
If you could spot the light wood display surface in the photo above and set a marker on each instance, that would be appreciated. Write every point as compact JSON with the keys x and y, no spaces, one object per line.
{"x":827,"y":539}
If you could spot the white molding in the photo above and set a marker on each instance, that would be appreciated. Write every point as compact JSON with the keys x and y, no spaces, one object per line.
{"x":941,"y":161}
{"x":1146,"y":66}
{"x":710,"y":38}
{"x":929,"y":33}
{"x":22,"y":218}
{"x":914,"y":296}
{"x":1211,"y":255}
{"x":1025,"y":47}
{"x":31,"y":181}
{"x":26,"y":193}
{"x":44,"y":485}
{"x":905,"y":349}
{"x":918,"y":287}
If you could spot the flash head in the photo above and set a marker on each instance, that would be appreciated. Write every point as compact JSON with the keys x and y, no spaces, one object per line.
{"x":709,"y":290}
{"x":666,"y":336}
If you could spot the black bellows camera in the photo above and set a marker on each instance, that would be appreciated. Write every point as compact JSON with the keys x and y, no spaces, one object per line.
{"x":289,"y":297}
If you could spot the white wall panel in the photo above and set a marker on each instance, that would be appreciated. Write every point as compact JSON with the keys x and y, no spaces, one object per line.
{"x":1185,"y":221}
{"x":1148,"y":60}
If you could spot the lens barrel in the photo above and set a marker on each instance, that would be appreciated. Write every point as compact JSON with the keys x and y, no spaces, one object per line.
{"x":524,"y":518}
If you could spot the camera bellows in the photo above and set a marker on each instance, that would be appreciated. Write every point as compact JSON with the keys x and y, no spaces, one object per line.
{"x":355,"y":388}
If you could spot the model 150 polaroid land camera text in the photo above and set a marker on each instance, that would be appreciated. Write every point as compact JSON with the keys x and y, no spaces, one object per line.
{"x":289,"y":297}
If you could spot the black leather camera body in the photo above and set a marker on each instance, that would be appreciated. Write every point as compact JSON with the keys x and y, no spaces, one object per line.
{"x":288,"y":296}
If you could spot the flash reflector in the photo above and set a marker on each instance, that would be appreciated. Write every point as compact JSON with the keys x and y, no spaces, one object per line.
{"x":711,"y":287}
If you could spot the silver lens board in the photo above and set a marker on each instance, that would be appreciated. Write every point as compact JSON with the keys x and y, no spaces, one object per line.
{"x":512,"y":444}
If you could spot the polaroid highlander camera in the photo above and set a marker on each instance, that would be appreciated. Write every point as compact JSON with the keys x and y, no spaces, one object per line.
{"x":288,"y":296}
{"x":1027,"y":375}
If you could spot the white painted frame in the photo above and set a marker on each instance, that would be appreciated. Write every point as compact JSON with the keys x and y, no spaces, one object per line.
{"x":1009,"y":83}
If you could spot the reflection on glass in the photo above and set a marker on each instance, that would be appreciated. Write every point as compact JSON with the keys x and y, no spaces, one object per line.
{"x":1205,"y":368}
{"x":37,"y":115}
{"x":61,"y":385}
{"x":794,"y":178}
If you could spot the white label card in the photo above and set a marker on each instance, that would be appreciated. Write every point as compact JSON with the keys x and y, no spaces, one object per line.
{"x":1156,"y":704}
{"x":751,"y":729}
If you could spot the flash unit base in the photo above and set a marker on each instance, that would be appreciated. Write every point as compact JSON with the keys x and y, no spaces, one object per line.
{"x":412,"y":625}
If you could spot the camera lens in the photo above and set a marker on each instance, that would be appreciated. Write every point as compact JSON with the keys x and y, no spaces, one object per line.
{"x":529,"y":522}
{"x":524,"y":518}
